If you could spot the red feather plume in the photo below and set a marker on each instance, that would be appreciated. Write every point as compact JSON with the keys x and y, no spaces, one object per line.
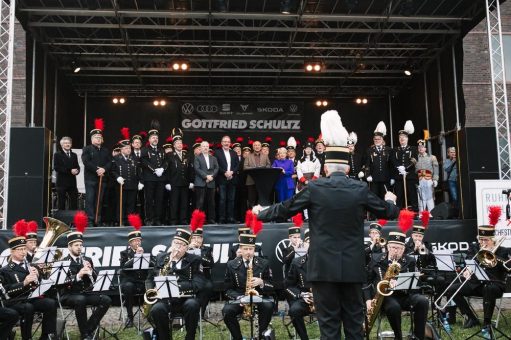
{"x":382,"y":222}
{"x":239,"y":139}
{"x":268,"y":139}
{"x":310,"y":139}
{"x":250,"y":142}
{"x":169,"y":139}
{"x":198,"y":140}
{"x":32,"y":227}
{"x":80,"y":220}
{"x":185,"y":146}
{"x":298,"y":143}
{"x":99,"y":124}
{"x":135,"y":221}
{"x":297,"y":220}
{"x":494,"y":214}
{"x":197,"y":220}
{"x":125,"y":132}
{"x":282,"y":144}
{"x":425,"y":218}
{"x":20,"y":228}
{"x":405,"y":220}
{"x":248,"y":218}
{"x":143,"y":134}
{"x":257,"y":225}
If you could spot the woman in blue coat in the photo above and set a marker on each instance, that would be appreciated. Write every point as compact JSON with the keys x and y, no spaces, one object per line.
{"x":285,"y":186}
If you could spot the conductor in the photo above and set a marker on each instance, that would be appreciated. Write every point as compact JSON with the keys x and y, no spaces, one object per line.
{"x":336,"y":206}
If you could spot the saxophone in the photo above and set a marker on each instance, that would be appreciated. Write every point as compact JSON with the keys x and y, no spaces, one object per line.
{"x":382,"y":289}
{"x":249,"y":290}
{"x":151,"y":295}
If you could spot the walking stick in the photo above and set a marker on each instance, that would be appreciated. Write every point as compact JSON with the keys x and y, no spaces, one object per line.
{"x":404,"y":186}
{"x":120,"y":206}
{"x":97,"y":202}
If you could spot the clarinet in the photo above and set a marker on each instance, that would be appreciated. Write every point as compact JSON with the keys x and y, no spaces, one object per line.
{"x":4,"y":292}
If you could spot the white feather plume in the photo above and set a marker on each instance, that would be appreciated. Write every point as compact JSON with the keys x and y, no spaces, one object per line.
{"x":353,"y":137}
{"x":332,"y":130}
{"x":409,"y":127}
{"x":381,"y":128}
{"x":291,"y":142}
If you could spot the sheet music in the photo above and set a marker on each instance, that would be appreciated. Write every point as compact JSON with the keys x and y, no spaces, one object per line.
{"x":444,"y":262}
{"x":44,"y":255}
{"x":43,"y":287}
{"x":406,"y":281}
{"x":477,"y":270}
{"x":103,"y":280}
{"x":141,"y":261}
{"x":60,"y":272}
{"x":161,"y":286}
{"x":300,"y":252}
{"x":3,"y":260}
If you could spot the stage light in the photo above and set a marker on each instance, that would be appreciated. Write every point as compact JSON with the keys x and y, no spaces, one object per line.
{"x":115,"y":100}
{"x":308,"y":67}
{"x":122,"y":100}
{"x":163,"y":102}
{"x":364,"y":101}
{"x":75,"y":67}
{"x":156,"y":103}
{"x":317,"y":67}
{"x":318,"y":103}
{"x":358,"y":101}
{"x":184,"y":66}
{"x":325,"y":103}
{"x":176,"y":66}
{"x":314,"y":66}
{"x":408,"y":72}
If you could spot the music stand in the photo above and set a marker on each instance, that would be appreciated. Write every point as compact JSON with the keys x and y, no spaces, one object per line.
{"x":43,"y":287}
{"x":44,"y":255}
{"x":3,"y":260}
{"x":60,"y":272}
{"x":141,"y":261}
{"x":167,"y":287}
{"x":407,"y":282}
{"x":103,"y":280}
{"x":265,"y":179}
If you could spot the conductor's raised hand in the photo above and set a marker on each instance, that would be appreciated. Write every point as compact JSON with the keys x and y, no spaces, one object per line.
{"x":256,"y":209}
{"x":389,"y":196}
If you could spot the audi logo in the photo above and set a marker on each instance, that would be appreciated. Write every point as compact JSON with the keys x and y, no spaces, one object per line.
{"x":187,"y":108}
{"x":207,"y":108}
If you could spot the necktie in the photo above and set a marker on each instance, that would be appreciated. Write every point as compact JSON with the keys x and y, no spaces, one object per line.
{"x":247,"y":263}
{"x":173,"y":266}
{"x":137,"y":153}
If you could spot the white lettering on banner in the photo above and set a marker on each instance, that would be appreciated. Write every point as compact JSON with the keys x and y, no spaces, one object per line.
{"x":107,"y":255}
{"x":158,"y":249}
{"x":270,"y":109}
{"x":240,"y":124}
{"x":453,"y":246}
{"x":95,"y":254}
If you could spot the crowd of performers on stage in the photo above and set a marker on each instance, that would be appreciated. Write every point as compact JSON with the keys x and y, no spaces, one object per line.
{"x":248,"y":275}
{"x":163,"y":183}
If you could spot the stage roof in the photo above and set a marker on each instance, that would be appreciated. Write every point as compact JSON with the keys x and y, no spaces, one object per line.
{"x":246,"y":47}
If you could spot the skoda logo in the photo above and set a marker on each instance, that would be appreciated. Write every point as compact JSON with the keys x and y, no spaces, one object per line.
{"x":187,"y":108}
{"x":293,"y":108}
{"x":279,"y":248}
{"x":207,"y":108}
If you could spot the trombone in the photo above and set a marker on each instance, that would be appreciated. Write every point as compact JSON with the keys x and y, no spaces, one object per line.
{"x":485,"y":258}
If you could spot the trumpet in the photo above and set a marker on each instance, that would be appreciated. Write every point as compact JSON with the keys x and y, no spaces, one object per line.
{"x":423,"y":250}
{"x":382,"y":242}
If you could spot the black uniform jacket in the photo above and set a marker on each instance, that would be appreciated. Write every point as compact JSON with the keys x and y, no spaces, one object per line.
{"x":498,"y":273}
{"x":425,"y":260}
{"x":178,"y":170}
{"x":12,"y":275}
{"x":336,"y":207}
{"x":63,"y":166}
{"x":355,"y":163}
{"x":73,"y":284}
{"x":190,"y":276}
{"x":94,"y":158}
{"x":406,"y":156}
{"x":132,"y":275}
{"x":236,"y":277}
{"x":296,"y":281}
{"x":150,"y":160}
{"x":377,"y":163}
{"x":127,"y":169}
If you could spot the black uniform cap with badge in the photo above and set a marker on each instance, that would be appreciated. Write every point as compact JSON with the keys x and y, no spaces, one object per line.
{"x":155,"y":127}
{"x":335,"y":137}
{"x":197,"y":221}
{"x":381,"y":129}
{"x":421,"y":229}
{"x":256,"y":226}
{"x":404,"y":222}
{"x":488,"y":230}
{"x":136,"y":222}
{"x":378,"y":225}
{"x":99,"y":126}
{"x":177,"y":135}
{"x":20,"y":229}
{"x":197,"y":143}
{"x":126,"y":141}
{"x":238,"y":143}
{"x":291,"y":143}
{"x":407,"y":130}
{"x":80,"y":221}
{"x":297,"y":225}
{"x":32,"y":230}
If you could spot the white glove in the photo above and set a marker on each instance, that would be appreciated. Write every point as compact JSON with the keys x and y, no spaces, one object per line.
{"x":435,"y":183}
{"x":369,"y":179}
{"x":392,"y":181}
{"x":401,"y":169}
{"x":168,"y":187}
{"x":158,"y":172}
{"x":361,"y":174}
{"x":140,"y":186}
{"x":120,"y":180}
{"x":190,"y":186}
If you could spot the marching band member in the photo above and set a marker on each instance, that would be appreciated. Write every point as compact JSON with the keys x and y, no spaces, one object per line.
{"x":31,"y":240}
{"x":19,"y":279}
{"x":399,"y":300}
{"x":136,"y":144}
{"x":8,"y":319}
{"x":188,"y":270}
{"x":132,"y":281}
{"x":82,"y":277}
{"x":234,"y":250}
{"x":490,"y":290}
{"x":354,"y":158}
{"x":236,"y":282}
{"x":417,"y":246}
{"x":427,"y":170}
{"x":377,"y":162}
{"x":295,"y":238}
{"x":299,"y":291}
{"x":179,"y":181}
{"x":375,"y":246}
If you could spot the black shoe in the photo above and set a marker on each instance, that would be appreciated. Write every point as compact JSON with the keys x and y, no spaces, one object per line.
{"x":129,"y":323}
{"x":471,"y":322}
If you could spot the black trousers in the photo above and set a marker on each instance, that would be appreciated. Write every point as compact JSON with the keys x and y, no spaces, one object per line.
{"x":489,"y":291}
{"x":251,"y":196}
{"x":129,"y":290}
{"x":153,"y":197}
{"x":204,"y":294}
{"x":227,"y":192}
{"x":179,"y":205}
{"x":232,"y":310}
{"x":204,"y":195}
{"x":411,"y":194}
{"x":298,"y":309}
{"x":79,"y":303}
{"x":26,"y":311}
{"x":339,"y":303}
{"x":393,"y":305}
{"x":70,"y":191}
{"x":162,"y":311}
{"x":8,"y":319}
{"x":129,"y":200}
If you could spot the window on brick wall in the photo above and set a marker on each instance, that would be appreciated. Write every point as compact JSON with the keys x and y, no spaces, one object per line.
{"x":506,"y":41}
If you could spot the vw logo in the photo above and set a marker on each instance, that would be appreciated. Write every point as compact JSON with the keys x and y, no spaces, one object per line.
{"x":279,"y":248}
{"x":207,"y":108}
{"x":187,"y":108}
{"x":293,"y":108}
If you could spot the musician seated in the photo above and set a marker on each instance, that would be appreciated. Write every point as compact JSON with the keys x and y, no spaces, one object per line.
{"x":377,"y":244}
{"x":490,"y":290}
{"x":132,"y":281}
{"x":289,"y":253}
{"x":77,"y":293}
{"x":235,"y":251}
{"x":31,"y":240}
{"x":399,"y":300}
{"x":298,"y":291}
{"x":8,"y":319}
{"x":238,"y":286}
{"x":20,"y":279}
{"x":417,"y":246}
{"x":206,"y":254}
{"x":188,"y":271}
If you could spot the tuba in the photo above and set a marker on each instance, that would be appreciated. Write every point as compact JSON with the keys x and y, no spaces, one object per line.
{"x":54,"y":229}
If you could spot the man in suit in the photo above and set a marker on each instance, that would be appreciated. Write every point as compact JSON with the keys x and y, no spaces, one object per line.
{"x":19,"y":278}
{"x":254,"y":160}
{"x":206,"y":169}
{"x":73,"y":295}
{"x":336,"y":231}
{"x":154,"y":164}
{"x":228,"y":163}
{"x":179,"y":181}
{"x":66,"y":166}
{"x":96,"y":161}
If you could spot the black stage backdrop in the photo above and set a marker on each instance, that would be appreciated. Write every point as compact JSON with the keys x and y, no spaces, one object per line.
{"x":104,"y":245}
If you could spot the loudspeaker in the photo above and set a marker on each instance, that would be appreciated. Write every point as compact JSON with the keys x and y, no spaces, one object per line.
{"x":65,"y":216}
{"x":29,"y":174}
{"x":441,"y":211}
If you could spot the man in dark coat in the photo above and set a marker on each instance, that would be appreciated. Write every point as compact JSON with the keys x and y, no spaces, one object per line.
{"x":66,"y":166}
{"x":226,"y":180}
{"x":179,"y":180}
{"x":336,"y":204}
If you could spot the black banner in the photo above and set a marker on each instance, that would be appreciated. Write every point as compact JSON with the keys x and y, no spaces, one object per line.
{"x":104,"y":245}
{"x":242,"y":116}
